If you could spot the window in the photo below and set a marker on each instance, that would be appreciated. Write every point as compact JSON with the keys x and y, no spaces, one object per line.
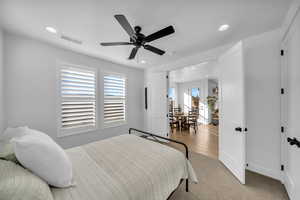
{"x":195,"y":92}
{"x":171,"y":93}
{"x":114,"y":100}
{"x":78,"y":100}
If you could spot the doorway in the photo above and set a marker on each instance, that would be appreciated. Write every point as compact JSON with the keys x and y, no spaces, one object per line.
{"x":194,"y":110}
{"x":232,"y":116}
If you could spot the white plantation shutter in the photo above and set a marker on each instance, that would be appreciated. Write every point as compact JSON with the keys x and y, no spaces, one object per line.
{"x":78,"y":99}
{"x":114,"y":99}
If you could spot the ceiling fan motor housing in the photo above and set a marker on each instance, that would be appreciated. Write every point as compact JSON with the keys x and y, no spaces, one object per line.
{"x":139,"y":40}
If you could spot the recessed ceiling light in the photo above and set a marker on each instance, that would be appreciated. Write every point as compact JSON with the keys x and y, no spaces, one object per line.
{"x":51,"y":29}
{"x":143,"y":61}
{"x":224,"y":27}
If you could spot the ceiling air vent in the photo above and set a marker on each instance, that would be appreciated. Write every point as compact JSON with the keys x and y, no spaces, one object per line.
{"x":70,"y":39}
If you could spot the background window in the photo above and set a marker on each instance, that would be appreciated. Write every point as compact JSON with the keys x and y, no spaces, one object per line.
{"x":172,"y":93}
{"x":78,"y":100}
{"x":114,"y":100}
{"x":195,"y":100}
{"x":195,"y":92}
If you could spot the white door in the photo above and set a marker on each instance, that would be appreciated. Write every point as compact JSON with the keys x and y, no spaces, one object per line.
{"x":232,"y":136}
{"x":291,"y":151}
{"x":156,"y":113}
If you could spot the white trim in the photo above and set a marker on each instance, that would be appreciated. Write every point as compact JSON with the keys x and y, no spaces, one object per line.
{"x":289,"y":28}
{"x":264,"y":171}
{"x":232,"y":165}
{"x":118,"y":123}
{"x":290,"y":186}
{"x":74,"y":131}
{"x":283,"y":110}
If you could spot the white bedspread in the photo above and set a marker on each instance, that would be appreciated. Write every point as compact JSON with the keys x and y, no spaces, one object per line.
{"x":126,"y":167}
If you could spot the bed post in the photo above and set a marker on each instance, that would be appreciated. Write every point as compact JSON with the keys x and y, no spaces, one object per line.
{"x":187,"y":185}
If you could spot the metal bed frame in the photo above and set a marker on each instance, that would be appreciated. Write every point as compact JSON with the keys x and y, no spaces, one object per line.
{"x":155,"y":137}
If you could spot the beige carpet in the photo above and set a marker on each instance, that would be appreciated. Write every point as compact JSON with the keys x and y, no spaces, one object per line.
{"x":217,"y":183}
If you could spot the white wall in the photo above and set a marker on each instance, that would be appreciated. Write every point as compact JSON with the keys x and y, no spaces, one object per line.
{"x":31,"y":88}
{"x":195,"y":72}
{"x":262,"y":70}
{"x":2,"y":111}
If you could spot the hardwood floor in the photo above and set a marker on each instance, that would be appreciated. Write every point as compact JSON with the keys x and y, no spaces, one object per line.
{"x":205,"y":141}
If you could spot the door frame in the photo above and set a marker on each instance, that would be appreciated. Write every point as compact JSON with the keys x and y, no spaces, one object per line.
{"x":291,"y":16}
{"x":287,"y":33}
{"x":283,"y":110}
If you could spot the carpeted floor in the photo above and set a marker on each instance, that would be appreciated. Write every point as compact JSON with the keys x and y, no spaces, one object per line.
{"x":217,"y":183}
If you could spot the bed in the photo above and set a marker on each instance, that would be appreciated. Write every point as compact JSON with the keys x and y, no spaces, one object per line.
{"x":127,"y":167}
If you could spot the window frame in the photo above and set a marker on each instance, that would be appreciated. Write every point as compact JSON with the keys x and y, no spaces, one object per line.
{"x":120,"y":123}
{"x":74,"y":131}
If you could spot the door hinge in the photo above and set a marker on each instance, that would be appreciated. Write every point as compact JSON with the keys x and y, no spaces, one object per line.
{"x":167,"y":96}
{"x":167,"y":76}
{"x":282,"y":52}
{"x":282,"y":167}
{"x":282,"y":90}
{"x":282,"y":129}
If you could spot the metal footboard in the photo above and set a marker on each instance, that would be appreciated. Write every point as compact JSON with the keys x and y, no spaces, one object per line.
{"x":170,"y":140}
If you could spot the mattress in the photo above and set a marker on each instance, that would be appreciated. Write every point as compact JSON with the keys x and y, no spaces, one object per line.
{"x":125,"y":167}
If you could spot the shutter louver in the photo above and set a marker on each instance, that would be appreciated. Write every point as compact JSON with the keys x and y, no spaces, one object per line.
{"x":114,"y":98}
{"x":78,"y":94}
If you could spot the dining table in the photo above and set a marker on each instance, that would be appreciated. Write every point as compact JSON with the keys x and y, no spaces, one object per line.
{"x":182,"y":117}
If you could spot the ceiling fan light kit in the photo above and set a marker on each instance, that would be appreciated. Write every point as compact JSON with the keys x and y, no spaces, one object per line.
{"x":138,"y":39}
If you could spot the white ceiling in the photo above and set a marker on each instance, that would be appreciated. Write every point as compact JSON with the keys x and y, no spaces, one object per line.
{"x":203,"y":70}
{"x":91,"y":21}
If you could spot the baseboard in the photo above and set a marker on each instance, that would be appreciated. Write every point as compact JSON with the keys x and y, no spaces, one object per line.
{"x":231,"y":164}
{"x":290,"y":186}
{"x":264,"y":171}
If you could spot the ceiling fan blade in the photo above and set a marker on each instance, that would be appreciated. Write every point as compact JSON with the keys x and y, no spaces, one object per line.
{"x":159,"y":34}
{"x":154,"y":49}
{"x":115,"y":43}
{"x":125,"y":24}
{"x":133,"y":53}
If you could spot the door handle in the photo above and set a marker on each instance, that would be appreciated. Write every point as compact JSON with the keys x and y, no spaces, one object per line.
{"x":293,"y":141}
{"x":239,"y":129}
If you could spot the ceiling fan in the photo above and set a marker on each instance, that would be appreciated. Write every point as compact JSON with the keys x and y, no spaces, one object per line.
{"x":138,"y":39}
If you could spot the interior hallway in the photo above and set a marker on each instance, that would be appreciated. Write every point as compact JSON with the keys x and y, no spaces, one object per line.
{"x":205,"y":141}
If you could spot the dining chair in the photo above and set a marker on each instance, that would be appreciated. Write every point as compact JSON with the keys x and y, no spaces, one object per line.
{"x":173,"y":121}
{"x":192,"y":121}
{"x":195,"y":111}
{"x":177,"y":110}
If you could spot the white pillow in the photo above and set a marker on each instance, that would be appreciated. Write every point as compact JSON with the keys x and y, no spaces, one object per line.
{"x":10,"y":133}
{"x":40,"y":154}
